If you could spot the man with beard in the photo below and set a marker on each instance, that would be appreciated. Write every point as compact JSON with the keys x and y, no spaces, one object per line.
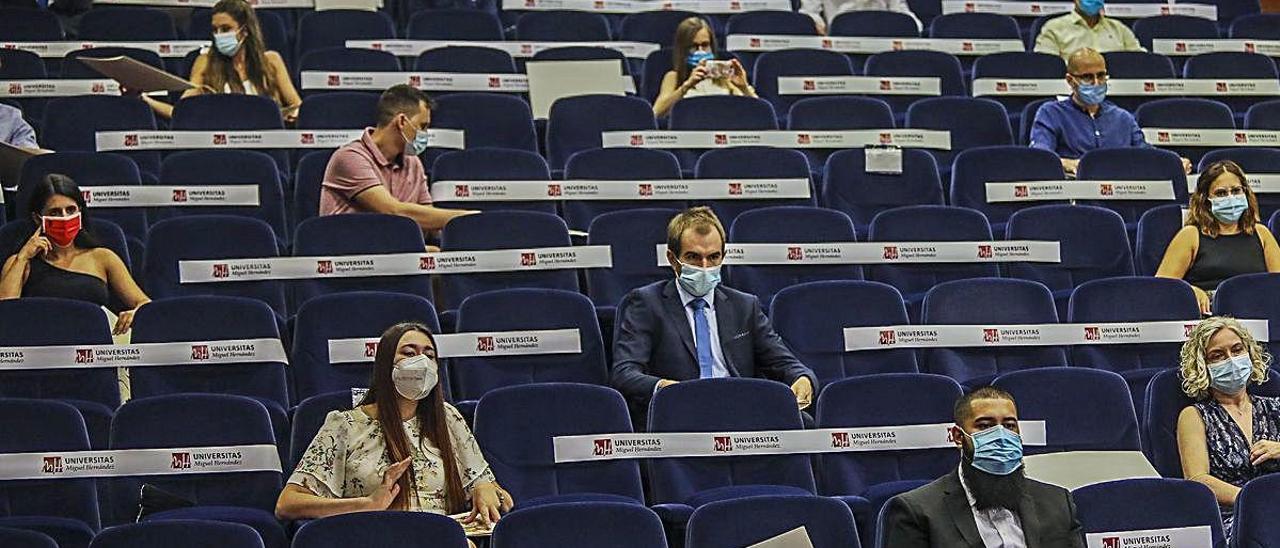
{"x":988,"y":502}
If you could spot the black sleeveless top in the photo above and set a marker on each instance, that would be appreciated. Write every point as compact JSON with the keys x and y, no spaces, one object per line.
{"x":46,"y":280}
{"x":1223,"y":257}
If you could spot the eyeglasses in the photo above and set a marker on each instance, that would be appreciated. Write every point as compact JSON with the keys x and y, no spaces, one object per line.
{"x":1091,"y":78}
{"x":1224,"y":192}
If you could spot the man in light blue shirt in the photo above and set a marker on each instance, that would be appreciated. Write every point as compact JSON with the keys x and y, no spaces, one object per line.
{"x":14,"y":130}
{"x":1086,"y":120}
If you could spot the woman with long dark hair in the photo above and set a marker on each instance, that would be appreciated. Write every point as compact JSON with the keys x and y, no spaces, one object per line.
{"x":60,"y":258}
{"x":402,"y":448}
{"x":238,"y":62}
{"x":695,"y":70}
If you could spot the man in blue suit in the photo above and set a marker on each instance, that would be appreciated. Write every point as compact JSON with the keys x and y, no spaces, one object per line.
{"x":694,"y":328}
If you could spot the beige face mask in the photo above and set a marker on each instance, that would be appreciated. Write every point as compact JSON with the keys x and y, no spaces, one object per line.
{"x":415,"y":377}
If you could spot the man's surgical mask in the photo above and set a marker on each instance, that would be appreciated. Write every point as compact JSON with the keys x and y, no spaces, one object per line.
{"x":415,"y":377}
{"x":1092,"y":94}
{"x":1091,"y":7}
{"x":699,"y":281}
{"x":997,"y":450}
{"x":418,"y":144}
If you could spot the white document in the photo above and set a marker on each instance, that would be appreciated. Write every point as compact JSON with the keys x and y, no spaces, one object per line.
{"x":551,"y":80}
{"x":795,"y":538}
{"x":886,"y":160}
{"x":1075,"y":469}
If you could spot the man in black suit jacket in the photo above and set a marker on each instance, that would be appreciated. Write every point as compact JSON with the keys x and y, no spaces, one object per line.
{"x":987,"y":502}
{"x":658,"y":325}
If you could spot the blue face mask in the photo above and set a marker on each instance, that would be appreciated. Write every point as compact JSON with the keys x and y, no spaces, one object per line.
{"x":1228,"y":209}
{"x":699,"y":281}
{"x":418,"y":144}
{"x":697,"y":57}
{"x":997,"y":450}
{"x":228,"y":43}
{"x":1231,"y":375}
{"x":1092,"y":94}
{"x":1091,"y":7}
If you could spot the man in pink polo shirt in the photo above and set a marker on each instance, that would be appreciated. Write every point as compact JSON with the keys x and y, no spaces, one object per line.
{"x":381,"y":172}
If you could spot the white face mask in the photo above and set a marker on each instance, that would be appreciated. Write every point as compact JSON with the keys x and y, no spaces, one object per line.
{"x":414,"y":377}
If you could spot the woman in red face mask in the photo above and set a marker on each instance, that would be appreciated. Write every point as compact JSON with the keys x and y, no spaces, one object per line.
{"x":61,"y":259}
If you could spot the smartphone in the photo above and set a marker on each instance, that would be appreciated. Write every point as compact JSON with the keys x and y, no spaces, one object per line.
{"x":719,"y":69}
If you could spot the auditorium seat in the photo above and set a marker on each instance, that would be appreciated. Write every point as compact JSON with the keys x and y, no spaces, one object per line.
{"x":384,"y":528}
{"x":678,"y":486}
{"x":1137,"y":65}
{"x":503,"y":230}
{"x":72,"y":68}
{"x":575,"y":124}
{"x":29,"y":25}
{"x":199,"y":420}
{"x":788,"y":225}
{"x":1231,"y":10}
{"x":64,"y":509}
{"x":306,"y":188}
{"x":1251,"y":296}
{"x":632,"y":235}
{"x":1185,"y":113}
{"x":744,"y":521}
{"x":208,"y":237}
{"x":1259,"y":26}
{"x":16,"y":64}
{"x":1156,"y":228}
{"x":507,"y":310}
{"x":654,"y":69}
{"x":234,"y":111}
{"x":1263,"y":116}
{"x":475,"y":59}
{"x":188,"y":533}
{"x":614,"y":524}
{"x":494,"y":164}
{"x":1232,"y":65}
{"x":338,"y":58}
{"x":848,"y":187}
{"x":1145,"y":504}
{"x":125,"y":24}
{"x":332,"y":28}
{"x":582,"y":53}
{"x":308,"y":416}
{"x":70,"y":124}
{"x":1093,"y":245}
{"x":358,"y":234}
{"x":514,"y":426}
{"x":719,"y":112}
{"x":971,"y":122}
{"x":1133,"y":164}
{"x":562,"y":26}
{"x":793,"y":63}
{"x":877,"y":23}
{"x":1027,"y":119}
{"x":1053,"y":395}
{"x":866,"y":480}
{"x":989,"y":301}
{"x":658,"y":27}
{"x":1186,"y":27}
{"x":916,"y":63}
{"x":1018,"y":64}
{"x":454,"y":24}
{"x":486,"y":119}
{"x":1254,"y":161}
{"x":88,"y":169}
{"x":338,"y":110}
{"x":1252,"y":525}
{"x":358,"y":314}
{"x":1164,"y":401}
{"x":817,"y":339}
{"x":622,"y":164}
{"x":769,"y":22}
{"x":750,"y":162}
{"x":985,"y":26}
{"x":227,"y":167}
{"x":975,"y":168}
{"x":839,"y":112}
{"x":21,"y":538}
{"x":927,"y":223}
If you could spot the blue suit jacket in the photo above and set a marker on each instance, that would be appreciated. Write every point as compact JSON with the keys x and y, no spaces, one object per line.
{"x":653,"y":340}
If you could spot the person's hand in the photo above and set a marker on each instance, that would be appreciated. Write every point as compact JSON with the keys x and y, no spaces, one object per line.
{"x":739,"y":77}
{"x":36,"y":246}
{"x":822,"y":27}
{"x":1069,"y":166}
{"x":123,"y":322}
{"x":698,"y":74}
{"x":1202,"y":299}
{"x":488,"y":502}
{"x":1186,"y":165}
{"x":129,"y":92}
{"x":1262,"y":451}
{"x":382,"y":497}
{"x":663,"y":383}
{"x":803,"y":389}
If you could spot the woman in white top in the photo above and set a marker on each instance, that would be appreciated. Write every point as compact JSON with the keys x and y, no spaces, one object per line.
{"x":238,"y":62}
{"x":403,"y":448}
{"x":696,"y":70}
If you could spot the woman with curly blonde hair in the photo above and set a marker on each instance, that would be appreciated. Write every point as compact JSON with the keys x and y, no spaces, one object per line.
{"x":1228,"y":436}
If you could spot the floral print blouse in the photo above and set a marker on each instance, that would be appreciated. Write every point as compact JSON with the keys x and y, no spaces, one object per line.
{"x":347,"y":457}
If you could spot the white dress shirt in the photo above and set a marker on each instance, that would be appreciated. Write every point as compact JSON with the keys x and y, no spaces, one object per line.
{"x":825,"y":11}
{"x":999,"y":527}
{"x":717,"y":366}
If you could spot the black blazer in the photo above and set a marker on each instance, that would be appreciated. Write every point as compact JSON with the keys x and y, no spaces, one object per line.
{"x":938,"y":515}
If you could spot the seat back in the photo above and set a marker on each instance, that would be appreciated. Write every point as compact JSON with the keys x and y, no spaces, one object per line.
{"x":504,"y":230}
{"x":617,"y":524}
{"x":338,"y":110}
{"x":974,"y":26}
{"x":771,"y":66}
{"x":70,"y":124}
{"x":1131,"y":299}
{"x":495,"y":164}
{"x":1052,"y":394}
{"x":306,"y":186}
{"x":1252,"y":526}
{"x":1017,"y":64}
{"x":1128,"y":164}
{"x":975,"y":168}
{"x":87,"y":169}
{"x":723,"y":112}
{"x":1137,"y":64}
{"x":29,"y":25}
{"x":1156,"y":228}
{"x":881,"y":23}
{"x":1173,"y":26}
{"x":1145,"y":504}
{"x":848,"y":187}
{"x":332,"y":28}
{"x":752,"y":162}
{"x":652,"y":26}
{"x":839,"y":112}
{"x":972,"y":122}
{"x":656,"y":66}
{"x":339,"y":58}
{"x":575,"y":123}
{"x":22,"y":538}
{"x":232,"y":111}
{"x":33,"y":426}
{"x":350,"y":235}
{"x":627,"y":164}
{"x":1185,"y":113}
{"x":515,"y":425}
{"x":916,"y":63}
{"x":1251,"y":296}
{"x":1092,"y":243}
{"x":207,"y":237}
{"x":307,"y":418}
{"x":789,"y":225}
{"x":123,"y":24}
{"x":40,"y":321}
{"x":487,"y":120}
{"x":383,"y":528}
{"x":740,"y":522}
{"x":227,"y":167}
{"x":1232,"y":64}
{"x":454,"y":24}
{"x":1260,"y":26}
{"x":466,"y":59}
{"x":562,"y":26}
{"x":631,"y":236}
{"x":191,"y":533}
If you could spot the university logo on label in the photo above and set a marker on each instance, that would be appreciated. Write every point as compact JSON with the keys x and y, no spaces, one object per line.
{"x":735,"y":189}
{"x":131,"y":140}
{"x":370,"y":349}
{"x":1221,"y":87}
{"x":526,"y":49}
{"x":426,"y":263}
{"x":495,"y":82}
{"x":970,"y":7}
{"x":199,"y":351}
{"x":735,"y":5}
{"x":840,"y":439}
{"x":721,"y":139}
{"x":334,"y":80}
{"x":795,"y":254}
{"x":1092,"y":334}
{"x":598,"y":4}
{"x":984,"y":252}
{"x":1002,"y":86}
{"x":897,"y":45}
{"x":219,"y":138}
{"x":991,"y":335}
{"x":553,"y":190}
{"x":886,"y":138}
{"x":1021,"y":191}
{"x":221,"y":271}
{"x":803,"y":139}
{"x":15,"y":88}
{"x":51,"y":465}
{"x":966,"y":46}
{"x":1180,"y":47}
{"x":462,"y":191}
{"x":637,"y":140}
{"x":166,"y":48}
{"x":1242,"y":137}
{"x":1164,"y":10}
{"x":180,"y":461}
{"x":415,"y":81}
{"x":87,"y":195}
{"x":1107,"y":189}
{"x":307,"y":138}
{"x":1110,"y":542}
{"x":1187,"y":329}
{"x":754,"y":42}
{"x":890,"y":252}
{"x":886,"y":85}
{"x":1148,"y":87}
{"x":1036,"y":8}
{"x":603,"y":447}
{"x":84,"y":355}
{"x":827,"y":43}
{"x":324,"y":267}
{"x":808,"y":85}
{"x":528,"y":259}
{"x":484,"y":344}
{"x":1162,"y":136}
{"x":530,"y":3}
{"x":1249,"y":47}
{"x":179,"y":195}
{"x":888,"y":337}
{"x":723,"y":443}
{"x":646,"y":189}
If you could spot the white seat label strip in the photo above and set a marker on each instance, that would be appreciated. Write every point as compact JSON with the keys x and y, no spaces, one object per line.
{"x":1184,"y":48}
{"x":427,"y":81}
{"x":1030,"y":191}
{"x":467,"y":345}
{"x":1166,"y":137}
{"x":394,"y":264}
{"x":1004,"y":251}
{"x":868,"y":46}
{"x":1197,"y":536}
{"x":1021,"y":87}
{"x":1056,"y":334}
{"x":23,"y":89}
{"x":1202,"y":87}
{"x":572,"y":190}
{"x":1260,"y":183}
{"x":1114,"y":10}
{"x":413,"y":48}
{"x":142,"y":354}
{"x":718,"y":7}
{"x":878,"y":85}
{"x":176,"y":48}
{"x":909,"y":138}
{"x":597,"y":447}
{"x":139,"y":462}
{"x":112,"y":141}
{"x":170,"y":196}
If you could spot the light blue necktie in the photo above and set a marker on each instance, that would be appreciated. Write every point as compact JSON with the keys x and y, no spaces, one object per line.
{"x":702,"y":338}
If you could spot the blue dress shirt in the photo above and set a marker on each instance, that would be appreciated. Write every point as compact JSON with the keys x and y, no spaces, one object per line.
{"x":1064,"y":128}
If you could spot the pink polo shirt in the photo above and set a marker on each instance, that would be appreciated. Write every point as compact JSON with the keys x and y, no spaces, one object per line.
{"x":359,"y":166}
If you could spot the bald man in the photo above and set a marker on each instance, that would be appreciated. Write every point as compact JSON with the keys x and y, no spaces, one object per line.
{"x":1086,"y":120}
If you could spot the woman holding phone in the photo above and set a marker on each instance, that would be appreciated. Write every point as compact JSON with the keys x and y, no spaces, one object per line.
{"x":62,"y":259}
{"x":697,"y":71}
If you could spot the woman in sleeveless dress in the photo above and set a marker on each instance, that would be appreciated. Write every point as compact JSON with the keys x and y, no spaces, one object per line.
{"x":692,"y":72}
{"x":1223,"y":236}
{"x":1228,"y":436}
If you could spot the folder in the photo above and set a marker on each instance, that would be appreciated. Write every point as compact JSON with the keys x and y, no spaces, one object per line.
{"x":11,"y":160}
{"x":135,"y":75}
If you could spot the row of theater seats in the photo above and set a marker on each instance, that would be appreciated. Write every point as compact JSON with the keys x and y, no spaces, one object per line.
{"x":514,"y":427}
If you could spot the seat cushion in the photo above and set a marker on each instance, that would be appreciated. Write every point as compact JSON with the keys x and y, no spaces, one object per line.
{"x":272,"y":533}
{"x":576,"y":497}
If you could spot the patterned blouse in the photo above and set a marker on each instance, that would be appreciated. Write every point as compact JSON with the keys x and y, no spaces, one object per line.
{"x":1228,"y":450}
{"x":347,"y":457}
